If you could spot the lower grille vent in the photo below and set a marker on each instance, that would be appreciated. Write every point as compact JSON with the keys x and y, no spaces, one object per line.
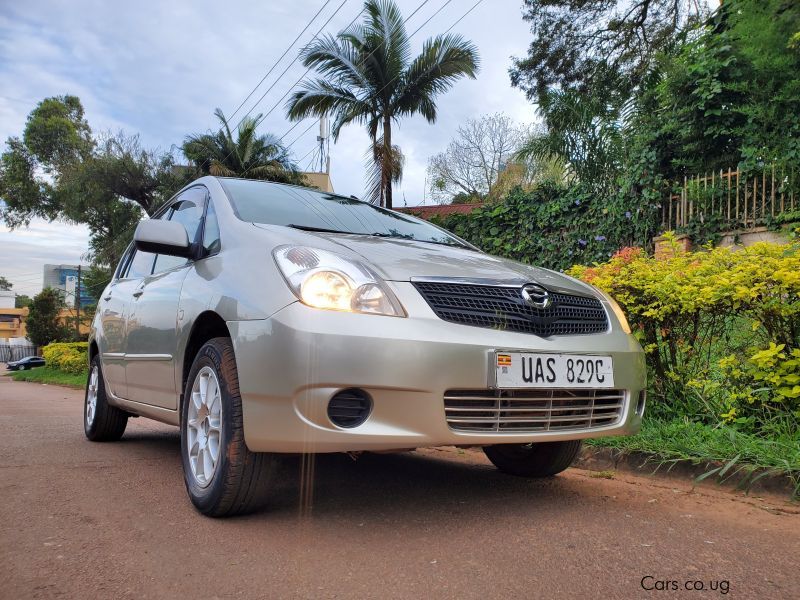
{"x":522,"y":411}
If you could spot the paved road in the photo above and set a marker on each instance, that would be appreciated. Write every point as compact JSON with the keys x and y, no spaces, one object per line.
{"x":83,"y":520}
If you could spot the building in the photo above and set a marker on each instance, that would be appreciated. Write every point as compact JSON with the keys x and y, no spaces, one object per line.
{"x":321,"y":181}
{"x":12,"y":320}
{"x":439,"y":210}
{"x":65,"y":278}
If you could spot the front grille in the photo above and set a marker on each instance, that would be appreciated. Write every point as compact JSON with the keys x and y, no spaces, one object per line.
{"x":534,"y":410}
{"x":504,"y":308}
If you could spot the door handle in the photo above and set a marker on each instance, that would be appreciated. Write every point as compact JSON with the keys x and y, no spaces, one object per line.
{"x":107,"y":298}
{"x":138,"y":293}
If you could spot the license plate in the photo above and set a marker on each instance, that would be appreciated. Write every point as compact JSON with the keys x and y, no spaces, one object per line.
{"x":533,"y":370}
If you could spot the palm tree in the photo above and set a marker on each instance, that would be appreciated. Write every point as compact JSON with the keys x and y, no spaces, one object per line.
{"x":249,"y":155}
{"x":367,"y":76}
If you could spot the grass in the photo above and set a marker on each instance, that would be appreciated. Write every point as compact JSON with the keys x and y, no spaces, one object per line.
{"x":675,"y":440}
{"x":51,"y":376}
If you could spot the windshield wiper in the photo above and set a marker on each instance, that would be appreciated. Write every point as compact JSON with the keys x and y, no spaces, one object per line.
{"x":319,"y":229}
{"x":413,"y":239}
{"x":374,"y":234}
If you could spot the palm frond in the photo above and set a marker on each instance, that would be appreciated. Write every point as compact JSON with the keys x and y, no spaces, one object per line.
{"x":443,"y":61}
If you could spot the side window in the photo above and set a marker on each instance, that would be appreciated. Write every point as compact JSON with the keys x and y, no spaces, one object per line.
{"x":141,"y":265}
{"x":211,"y":230}
{"x":188,"y":211}
{"x":119,"y":272}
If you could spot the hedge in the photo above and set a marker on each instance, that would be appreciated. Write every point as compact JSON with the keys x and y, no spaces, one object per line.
{"x":70,"y":357}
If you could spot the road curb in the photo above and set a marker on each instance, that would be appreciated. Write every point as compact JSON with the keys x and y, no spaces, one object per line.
{"x":641,"y":463}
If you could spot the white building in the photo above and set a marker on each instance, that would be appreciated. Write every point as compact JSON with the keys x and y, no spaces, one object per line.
{"x":7,"y":299}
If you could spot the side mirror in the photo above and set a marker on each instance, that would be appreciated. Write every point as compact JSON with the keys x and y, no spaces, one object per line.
{"x":162,"y":237}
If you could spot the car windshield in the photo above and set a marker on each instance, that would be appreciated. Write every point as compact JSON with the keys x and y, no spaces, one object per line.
{"x":310,"y":210}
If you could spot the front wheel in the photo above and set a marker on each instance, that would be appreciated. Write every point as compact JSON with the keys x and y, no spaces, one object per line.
{"x":222,"y":476}
{"x":533,"y":460}
{"x":101,"y":421}
{"x":22,"y":368}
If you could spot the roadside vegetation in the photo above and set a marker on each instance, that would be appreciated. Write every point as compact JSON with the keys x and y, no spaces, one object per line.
{"x":679,"y":92}
{"x":51,"y":376}
{"x":721,"y":332}
{"x":66,"y":365}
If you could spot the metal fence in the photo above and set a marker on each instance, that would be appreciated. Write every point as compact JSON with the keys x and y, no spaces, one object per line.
{"x":9,"y":352}
{"x":742,"y":200}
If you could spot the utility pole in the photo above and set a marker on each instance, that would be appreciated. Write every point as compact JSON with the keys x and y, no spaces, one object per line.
{"x":78,"y":306}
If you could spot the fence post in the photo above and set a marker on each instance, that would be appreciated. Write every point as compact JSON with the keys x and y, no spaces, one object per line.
{"x":772,"y":192}
{"x":783,"y":178}
{"x":755,"y":199}
{"x":737,"y":196}
{"x":683,"y":202}
{"x":711,"y":213}
{"x":729,"y":192}
{"x":745,"y":203}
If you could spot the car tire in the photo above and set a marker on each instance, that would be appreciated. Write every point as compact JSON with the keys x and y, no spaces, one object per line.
{"x":101,"y":421}
{"x":22,"y":368}
{"x":533,"y":460}
{"x":236,"y":480}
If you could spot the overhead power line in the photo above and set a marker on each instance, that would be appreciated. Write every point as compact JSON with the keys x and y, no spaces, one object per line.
{"x":274,"y":83}
{"x":280,"y":58}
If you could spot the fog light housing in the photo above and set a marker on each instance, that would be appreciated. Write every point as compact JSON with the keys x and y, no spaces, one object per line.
{"x":349,"y":408}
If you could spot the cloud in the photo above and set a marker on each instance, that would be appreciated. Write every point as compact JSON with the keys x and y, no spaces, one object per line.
{"x":24,"y":251}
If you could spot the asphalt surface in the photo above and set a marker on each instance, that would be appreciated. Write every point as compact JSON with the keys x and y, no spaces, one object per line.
{"x":84,"y":520}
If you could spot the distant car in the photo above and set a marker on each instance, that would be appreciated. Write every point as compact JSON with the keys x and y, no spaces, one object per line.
{"x":267,"y":319}
{"x":29,"y":362}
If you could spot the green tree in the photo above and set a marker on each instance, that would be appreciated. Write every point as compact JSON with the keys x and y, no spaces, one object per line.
{"x":247,"y":155}
{"x":367,"y":76}
{"x":59,"y":170}
{"x":728,"y":96}
{"x":43,"y":324}
{"x":584,"y":133}
{"x":5,"y":284}
{"x":599,"y":47}
{"x":22,"y":300}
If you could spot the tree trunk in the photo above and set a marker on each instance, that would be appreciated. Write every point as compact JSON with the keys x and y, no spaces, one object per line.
{"x":386,"y":163}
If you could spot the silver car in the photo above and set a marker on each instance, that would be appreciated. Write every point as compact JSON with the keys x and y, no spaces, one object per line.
{"x":265,"y":319}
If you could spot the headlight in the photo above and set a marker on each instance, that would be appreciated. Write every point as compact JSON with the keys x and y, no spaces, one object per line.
{"x":323,"y":279}
{"x":623,"y":320}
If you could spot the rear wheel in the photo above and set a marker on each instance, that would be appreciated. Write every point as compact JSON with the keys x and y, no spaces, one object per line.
{"x":222,"y":476}
{"x":101,"y":421}
{"x":533,"y":460}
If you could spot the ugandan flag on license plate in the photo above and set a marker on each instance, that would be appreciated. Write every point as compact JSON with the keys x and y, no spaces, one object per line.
{"x":503,"y":360}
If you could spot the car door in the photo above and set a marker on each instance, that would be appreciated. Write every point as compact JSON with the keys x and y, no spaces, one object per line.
{"x":114,"y":307}
{"x":151,"y":336}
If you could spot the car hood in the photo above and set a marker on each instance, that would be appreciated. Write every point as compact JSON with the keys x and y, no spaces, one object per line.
{"x":409,"y":260}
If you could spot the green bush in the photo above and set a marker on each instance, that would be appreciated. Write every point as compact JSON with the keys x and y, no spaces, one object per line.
{"x":556,"y":226}
{"x":721,"y":328}
{"x":69,"y":357}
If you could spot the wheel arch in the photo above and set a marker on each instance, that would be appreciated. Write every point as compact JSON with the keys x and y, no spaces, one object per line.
{"x":94,"y":350}
{"x":208,"y":325}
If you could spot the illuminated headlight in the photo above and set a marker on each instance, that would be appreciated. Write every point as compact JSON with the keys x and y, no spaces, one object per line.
{"x":623,"y":320}
{"x":324,"y":279}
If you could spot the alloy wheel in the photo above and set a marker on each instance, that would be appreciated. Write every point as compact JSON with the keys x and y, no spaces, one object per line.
{"x":204,"y":426}
{"x":91,"y":396}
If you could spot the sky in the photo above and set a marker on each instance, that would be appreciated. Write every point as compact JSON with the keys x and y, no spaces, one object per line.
{"x":160,"y":69}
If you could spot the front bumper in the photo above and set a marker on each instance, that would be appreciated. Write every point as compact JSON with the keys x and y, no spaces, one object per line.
{"x":291,"y":364}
